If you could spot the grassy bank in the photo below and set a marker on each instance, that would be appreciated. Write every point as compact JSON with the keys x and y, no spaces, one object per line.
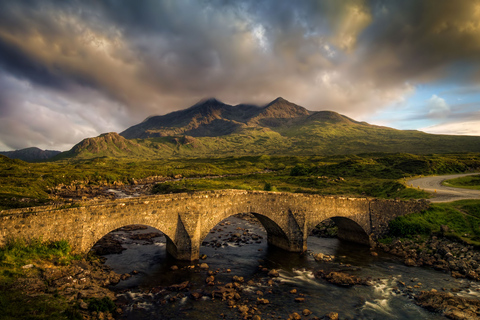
{"x":21,"y":296}
{"x":469,"y":182}
{"x":461,"y":218}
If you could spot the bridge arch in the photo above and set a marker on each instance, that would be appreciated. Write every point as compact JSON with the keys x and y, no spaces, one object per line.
{"x":348,"y":230}
{"x":277,"y":234}
{"x":99,"y":233}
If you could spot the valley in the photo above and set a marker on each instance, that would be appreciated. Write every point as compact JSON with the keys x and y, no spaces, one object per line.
{"x":280,"y":147}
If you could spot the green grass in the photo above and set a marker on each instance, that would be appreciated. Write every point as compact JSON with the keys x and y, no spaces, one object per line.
{"x":15,"y":303}
{"x":469,"y":182}
{"x":18,"y":252}
{"x":25,"y":184}
{"x":461,"y":217}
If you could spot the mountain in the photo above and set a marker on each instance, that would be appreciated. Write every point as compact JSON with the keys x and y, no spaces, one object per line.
{"x":30,"y":154}
{"x":106,"y":145}
{"x":211,"y":128}
{"x":213,"y":118}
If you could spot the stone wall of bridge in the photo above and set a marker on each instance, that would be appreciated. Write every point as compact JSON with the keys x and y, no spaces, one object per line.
{"x":186,"y":219}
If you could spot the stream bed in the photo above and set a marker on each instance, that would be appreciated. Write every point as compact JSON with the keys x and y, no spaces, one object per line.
{"x":163,"y":288}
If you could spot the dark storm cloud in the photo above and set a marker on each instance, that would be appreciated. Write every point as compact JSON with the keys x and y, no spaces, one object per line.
{"x":422,"y":40}
{"x":126,"y":60}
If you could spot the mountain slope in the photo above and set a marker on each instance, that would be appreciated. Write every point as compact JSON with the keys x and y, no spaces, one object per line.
{"x":30,"y":154}
{"x":206,"y":118}
{"x":106,"y":145}
{"x":211,"y":118}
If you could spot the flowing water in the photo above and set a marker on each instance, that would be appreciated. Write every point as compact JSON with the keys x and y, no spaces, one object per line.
{"x":145,"y":295}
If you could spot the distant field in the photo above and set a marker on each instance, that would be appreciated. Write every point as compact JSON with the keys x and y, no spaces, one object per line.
{"x":470,"y":182}
{"x":25,"y":184}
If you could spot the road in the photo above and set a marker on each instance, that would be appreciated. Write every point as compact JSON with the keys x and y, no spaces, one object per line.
{"x":441,"y":193}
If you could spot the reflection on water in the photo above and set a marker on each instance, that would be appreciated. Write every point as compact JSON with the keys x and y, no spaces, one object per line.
{"x":146,"y":295}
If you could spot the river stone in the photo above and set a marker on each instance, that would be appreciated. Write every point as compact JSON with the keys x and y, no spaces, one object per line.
{"x":203,"y":266}
{"x":210,"y":279}
{"x":243,"y":309}
{"x":295,"y":316}
{"x":273,"y":273}
{"x":331,"y":316}
{"x":306,"y":312}
{"x":409,"y":262}
{"x":318,"y":256}
{"x":196,"y":295}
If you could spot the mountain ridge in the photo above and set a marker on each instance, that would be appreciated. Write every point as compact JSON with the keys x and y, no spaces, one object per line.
{"x":211,"y":128}
{"x":222,"y":119}
{"x":31,"y":154}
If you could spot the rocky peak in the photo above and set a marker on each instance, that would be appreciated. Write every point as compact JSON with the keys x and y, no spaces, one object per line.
{"x":281,"y":108}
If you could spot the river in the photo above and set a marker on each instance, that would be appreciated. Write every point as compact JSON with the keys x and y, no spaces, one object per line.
{"x":146,"y":295}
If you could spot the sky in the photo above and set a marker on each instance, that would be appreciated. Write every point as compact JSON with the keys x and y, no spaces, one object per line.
{"x":75,"y":69}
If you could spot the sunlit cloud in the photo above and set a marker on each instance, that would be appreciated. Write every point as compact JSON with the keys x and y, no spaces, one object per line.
{"x":470,"y":128}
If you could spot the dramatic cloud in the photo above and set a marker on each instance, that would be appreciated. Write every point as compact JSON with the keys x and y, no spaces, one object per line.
{"x":73,"y":69}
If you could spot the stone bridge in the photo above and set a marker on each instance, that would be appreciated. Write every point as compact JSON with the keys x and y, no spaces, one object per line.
{"x":187,"y":218}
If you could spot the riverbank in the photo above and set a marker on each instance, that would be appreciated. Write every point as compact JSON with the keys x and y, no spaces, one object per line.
{"x":43,"y":281}
{"x":240,"y":277}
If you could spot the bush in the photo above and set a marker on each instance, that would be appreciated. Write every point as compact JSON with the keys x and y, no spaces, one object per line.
{"x":268,"y":187}
{"x":299,"y":170}
{"x":101,"y":305}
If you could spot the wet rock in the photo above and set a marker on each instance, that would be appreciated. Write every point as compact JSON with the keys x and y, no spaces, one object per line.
{"x":243,"y":309}
{"x":293,"y":291}
{"x":318,"y":256}
{"x":306,"y":312}
{"x":179,"y":287}
{"x":238,"y":279}
{"x":294,"y":316}
{"x":256,"y":317}
{"x":409,"y":262}
{"x":196,"y":295}
{"x":210,"y":280}
{"x":274,"y":273}
{"x":300,"y":299}
{"x":203,"y":266}
{"x":341,"y":279}
{"x":331,"y":316}
{"x":451,"y":306}
{"x":203,"y":256}
{"x":262,"y":301}
{"x":173,"y":268}
{"x":125,"y":276}
{"x":323,"y":257}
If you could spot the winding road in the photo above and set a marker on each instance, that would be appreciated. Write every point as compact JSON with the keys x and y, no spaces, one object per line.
{"x":442,"y":193}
